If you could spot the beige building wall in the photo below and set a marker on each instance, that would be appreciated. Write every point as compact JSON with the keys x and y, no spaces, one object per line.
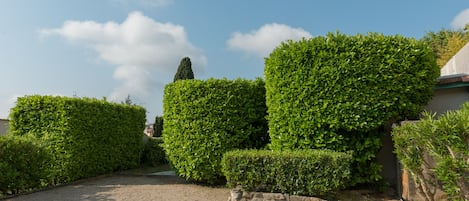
{"x":3,"y":126}
{"x":448,"y":99}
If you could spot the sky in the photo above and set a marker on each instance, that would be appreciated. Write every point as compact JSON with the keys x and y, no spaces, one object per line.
{"x":120,"y":48}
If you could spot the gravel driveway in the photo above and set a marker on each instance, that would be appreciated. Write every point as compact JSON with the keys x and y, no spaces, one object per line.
{"x":129,"y":188}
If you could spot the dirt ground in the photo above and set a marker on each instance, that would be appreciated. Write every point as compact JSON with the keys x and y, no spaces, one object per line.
{"x":143,"y":185}
{"x":129,"y":188}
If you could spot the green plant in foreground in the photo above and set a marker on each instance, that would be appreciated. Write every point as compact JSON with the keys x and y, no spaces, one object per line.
{"x":443,"y":140}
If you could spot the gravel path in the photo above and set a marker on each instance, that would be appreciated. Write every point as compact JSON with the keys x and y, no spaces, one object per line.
{"x":129,"y":188}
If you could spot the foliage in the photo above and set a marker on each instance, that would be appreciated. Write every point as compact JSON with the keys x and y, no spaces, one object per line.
{"x":446,"y":43}
{"x":204,"y":119}
{"x":86,"y":137}
{"x":336,"y":91}
{"x":443,"y":140}
{"x":128,"y":100}
{"x":24,"y":164}
{"x":158,"y":126}
{"x":153,"y":153}
{"x":303,"y":172}
{"x":184,"y":71}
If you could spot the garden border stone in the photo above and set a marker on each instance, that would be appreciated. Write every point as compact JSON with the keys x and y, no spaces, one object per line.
{"x":238,"y":194}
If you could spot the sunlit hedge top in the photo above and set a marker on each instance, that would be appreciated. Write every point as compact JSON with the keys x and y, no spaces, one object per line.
{"x":347,"y":82}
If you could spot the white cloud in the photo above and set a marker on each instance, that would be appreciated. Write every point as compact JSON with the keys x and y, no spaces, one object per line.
{"x":151,"y":3}
{"x":145,"y":52}
{"x":156,"y":3}
{"x":262,"y":41}
{"x":461,"y":19}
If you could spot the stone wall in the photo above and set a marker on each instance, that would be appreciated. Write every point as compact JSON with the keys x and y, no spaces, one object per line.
{"x":240,"y":195}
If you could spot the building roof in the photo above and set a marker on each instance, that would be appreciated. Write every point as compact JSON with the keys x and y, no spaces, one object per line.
{"x":455,"y":73}
{"x":458,"y":64}
{"x":453,"y":81}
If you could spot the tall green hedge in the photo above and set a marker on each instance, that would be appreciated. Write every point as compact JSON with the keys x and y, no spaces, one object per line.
{"x":335,"y":91}
{"x":86,"y":137}
{"x":204,"y":119}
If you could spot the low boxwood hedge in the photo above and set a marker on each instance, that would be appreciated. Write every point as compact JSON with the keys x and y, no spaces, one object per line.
{"x":301,"y":172}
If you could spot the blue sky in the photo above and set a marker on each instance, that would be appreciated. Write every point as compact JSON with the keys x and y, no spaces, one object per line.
{"x":115,"y":48}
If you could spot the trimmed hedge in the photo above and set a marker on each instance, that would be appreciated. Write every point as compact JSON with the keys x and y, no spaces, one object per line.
{"x":24,"y":164}
{"x":301,"y":172}
{"x":153,"y":153}
{"x":87,"y":137}
{"x":204,"y":119}
{"x":336,"y":91}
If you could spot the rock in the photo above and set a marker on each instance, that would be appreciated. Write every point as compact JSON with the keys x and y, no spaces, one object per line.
{"x":303,"y":198}
{"x":236,"y":195}
{"x":274,"y":197}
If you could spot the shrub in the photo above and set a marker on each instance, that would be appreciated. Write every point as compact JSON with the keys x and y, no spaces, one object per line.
{"x":184,"y":71}
{"x":335,"y":91}
{"x":87,"y":137}
{"x":153,"y":153}
{"x":444,"y":141}
{"x":302,"y":172}
{"x":158,"y":126}
{"x":204,"y":119}
{"x":24,"y":164}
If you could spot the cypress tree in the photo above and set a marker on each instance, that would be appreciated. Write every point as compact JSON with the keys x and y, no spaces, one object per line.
{"x":158,"y":126}
{"x":184,"y":71}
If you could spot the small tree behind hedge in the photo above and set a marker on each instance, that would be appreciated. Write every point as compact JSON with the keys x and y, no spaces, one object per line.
{"x":335,"y":91}
{"x":86,"y":137}
{"x":204,"y":119}
{"x":158,"y":126}
{"x":184,"y":71}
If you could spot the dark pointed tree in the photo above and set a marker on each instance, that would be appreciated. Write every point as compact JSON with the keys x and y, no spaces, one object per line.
{"x":158,"y":126}
{"x":128,"y":100}
{"x":184,"y":71}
